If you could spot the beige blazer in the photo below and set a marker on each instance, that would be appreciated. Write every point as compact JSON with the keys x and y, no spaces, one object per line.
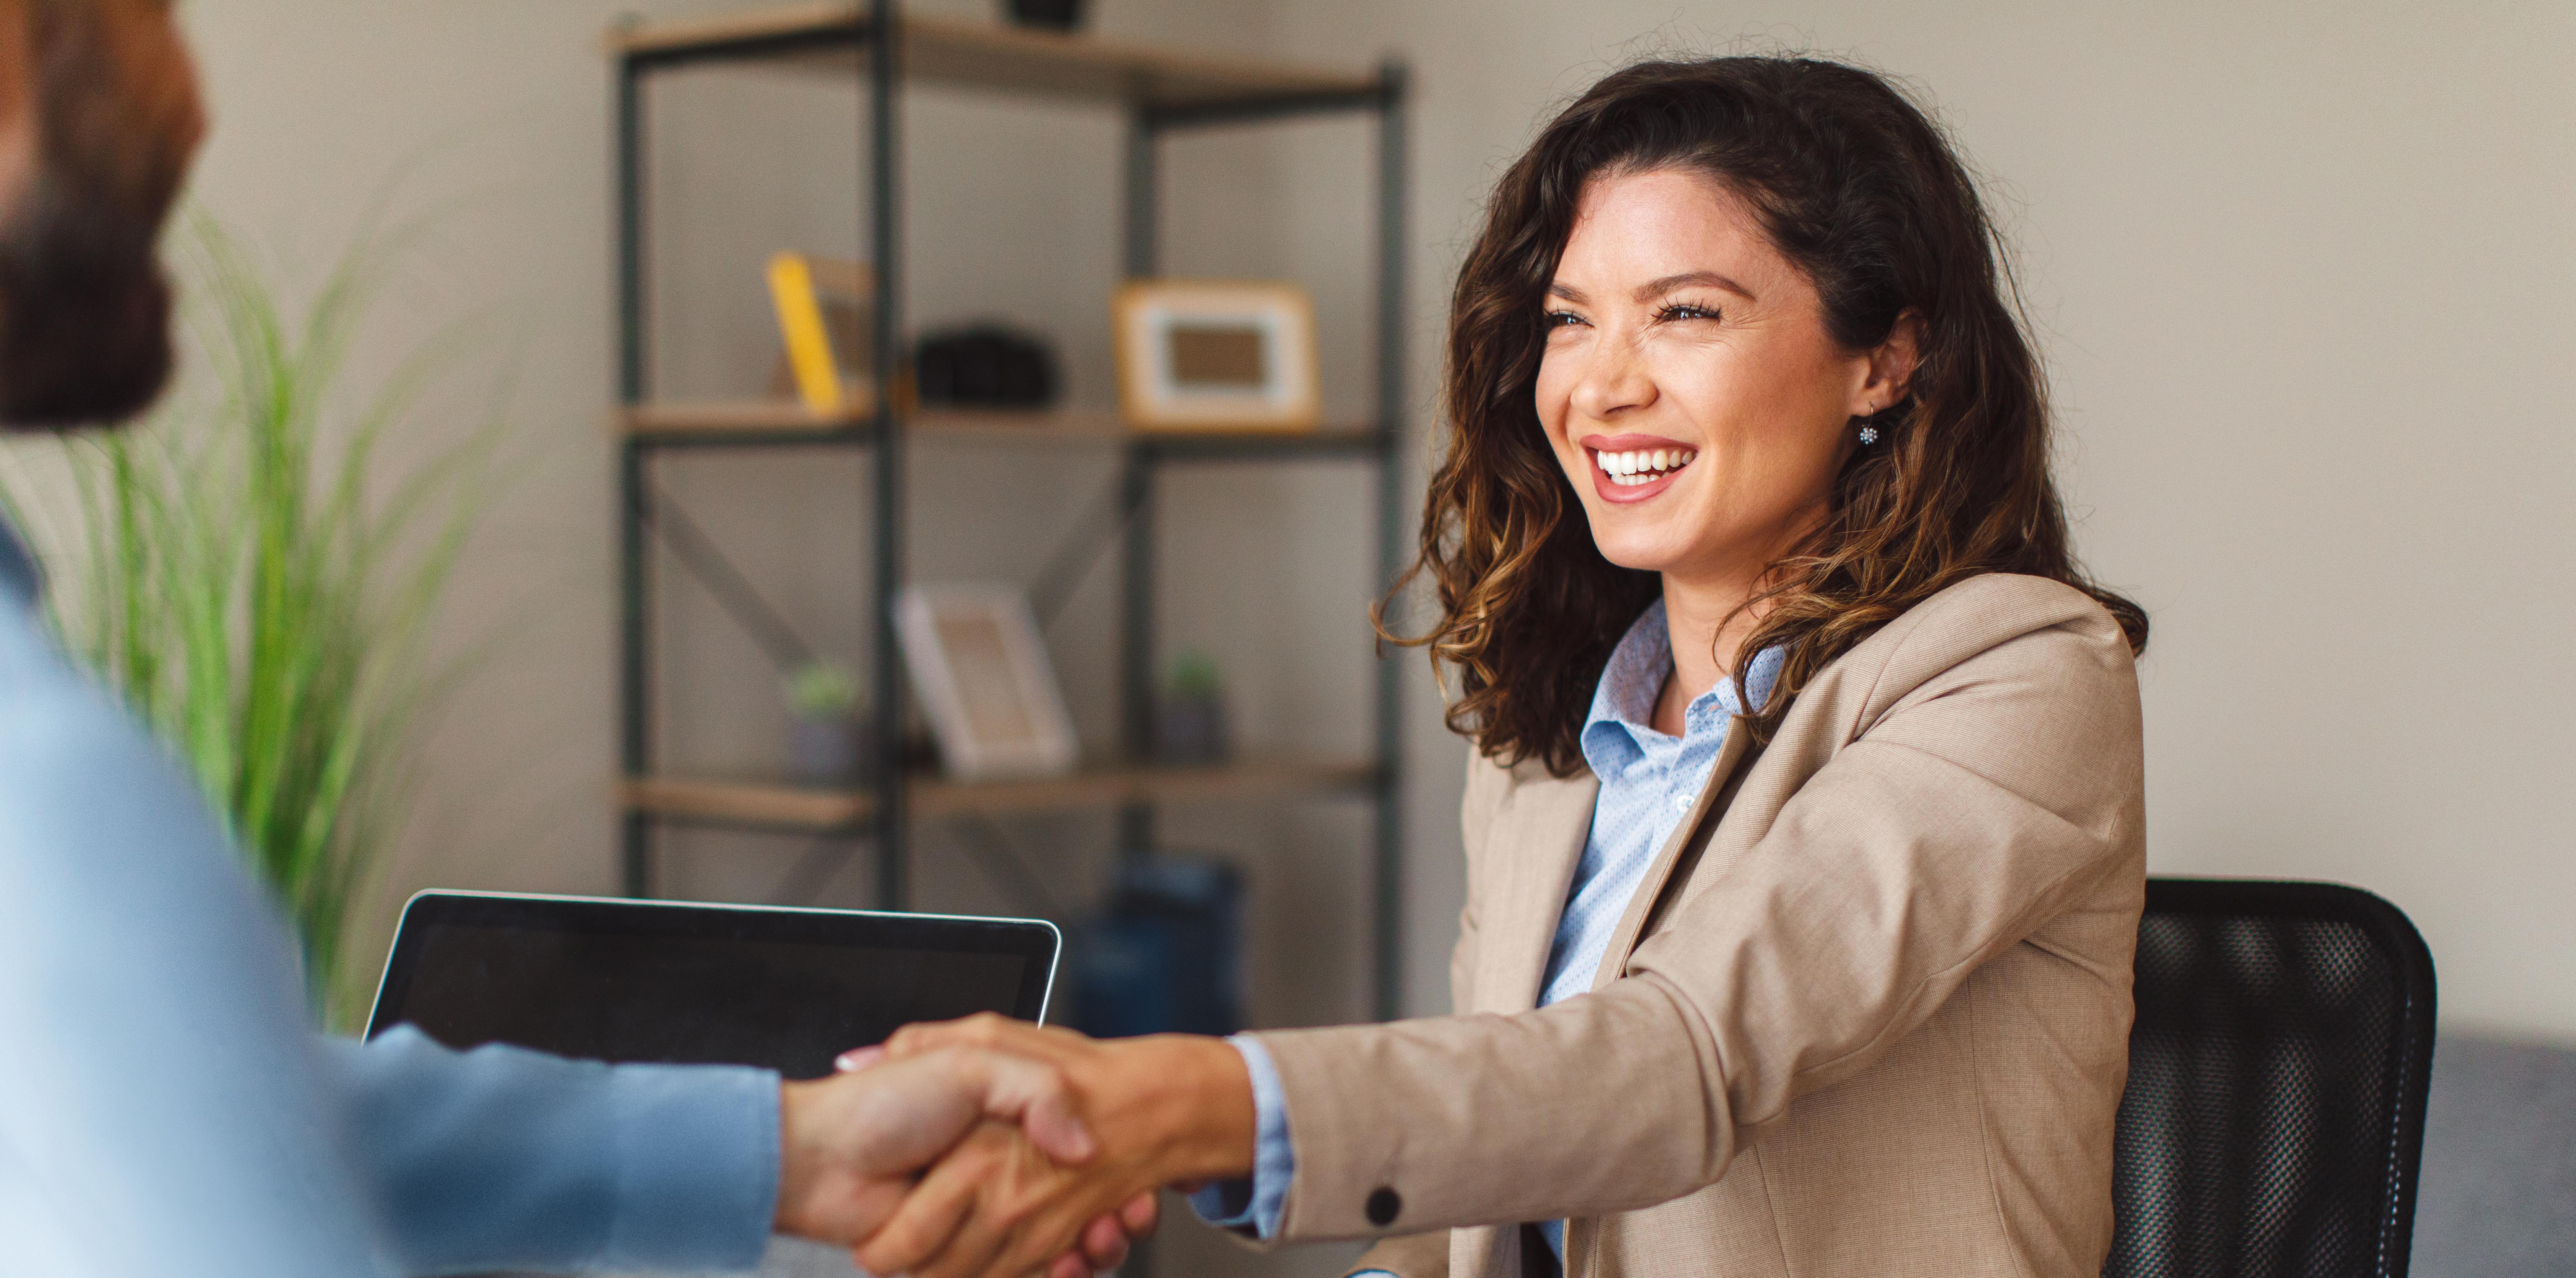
{"x":1868,"y":1013}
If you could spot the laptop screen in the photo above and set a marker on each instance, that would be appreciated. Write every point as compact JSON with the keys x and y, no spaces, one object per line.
{"x":691,"y":984}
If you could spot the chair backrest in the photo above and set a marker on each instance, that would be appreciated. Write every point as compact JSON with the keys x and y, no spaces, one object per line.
{"x":2277,"y":1075}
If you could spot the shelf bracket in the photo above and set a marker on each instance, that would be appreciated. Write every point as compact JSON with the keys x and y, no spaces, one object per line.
{"x":742,"y":601}
{"x":1074,"y":557}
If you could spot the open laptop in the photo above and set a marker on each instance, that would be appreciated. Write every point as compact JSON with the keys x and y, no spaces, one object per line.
{"x":682,"y":982}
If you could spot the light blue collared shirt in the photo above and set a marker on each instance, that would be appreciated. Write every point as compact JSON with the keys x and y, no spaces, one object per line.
{"x":1649,"y":782}
{"x":165,"y":1109}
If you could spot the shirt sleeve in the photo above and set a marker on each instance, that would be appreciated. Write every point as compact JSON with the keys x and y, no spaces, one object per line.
{"x":505,"y":1157}
{"x":1255,"y":1203}
{"x":161,"y":1106}
{"x":166,"y":1108}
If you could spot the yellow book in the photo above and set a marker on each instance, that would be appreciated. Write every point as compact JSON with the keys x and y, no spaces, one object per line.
{"x":801,"y":327}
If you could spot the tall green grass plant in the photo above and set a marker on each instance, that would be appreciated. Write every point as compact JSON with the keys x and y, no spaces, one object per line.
{"x":257,"y":582}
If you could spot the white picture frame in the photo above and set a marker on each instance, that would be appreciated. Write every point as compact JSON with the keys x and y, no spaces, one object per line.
{"x":1216,"y":355}
{"x":982,"y":673}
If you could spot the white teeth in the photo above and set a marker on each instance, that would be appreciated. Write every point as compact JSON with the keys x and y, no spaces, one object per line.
{"x":1644,"y":465}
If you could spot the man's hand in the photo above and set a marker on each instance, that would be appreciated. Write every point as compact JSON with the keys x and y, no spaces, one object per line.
{"x":1164,"y":1109}
{"x":850,"y":1146}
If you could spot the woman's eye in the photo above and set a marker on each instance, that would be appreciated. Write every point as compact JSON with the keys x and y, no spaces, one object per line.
{"x":1554,"y":320}
{"x":1686,"y":311}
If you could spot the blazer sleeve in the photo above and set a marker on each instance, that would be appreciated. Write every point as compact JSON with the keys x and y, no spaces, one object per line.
{"x":1990,"y":798}
{"x":1427,"y":1255}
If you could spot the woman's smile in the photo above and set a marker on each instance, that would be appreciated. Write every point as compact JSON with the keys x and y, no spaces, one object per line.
{"x":1632,"y":468}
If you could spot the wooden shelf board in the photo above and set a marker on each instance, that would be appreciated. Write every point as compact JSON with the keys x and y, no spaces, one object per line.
{"x":761,"y":415}
{"x":991,"y":56}
{"x":749,"y":802}
{"x":1051,"y":426}
{"x":772,"y":803}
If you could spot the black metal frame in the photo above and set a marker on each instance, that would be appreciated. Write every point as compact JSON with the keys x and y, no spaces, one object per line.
{"x":1142,"y":459}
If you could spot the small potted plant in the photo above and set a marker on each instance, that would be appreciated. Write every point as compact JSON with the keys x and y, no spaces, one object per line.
{"x":1189,"y":720}
{"x":829,"y":746}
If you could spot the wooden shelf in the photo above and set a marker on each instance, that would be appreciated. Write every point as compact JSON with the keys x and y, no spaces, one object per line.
{"x":831,"y":37}
{"x":772,"y":803}
{"x":786,"y":418}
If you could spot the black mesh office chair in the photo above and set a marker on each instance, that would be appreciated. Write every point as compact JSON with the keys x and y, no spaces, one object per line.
{"x":2277,"y":1073}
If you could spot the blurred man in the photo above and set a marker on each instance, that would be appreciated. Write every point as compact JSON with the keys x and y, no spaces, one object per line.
{"x":163,"y":1107}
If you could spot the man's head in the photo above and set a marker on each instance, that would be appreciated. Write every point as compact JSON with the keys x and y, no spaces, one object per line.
{"x":98,"y":120}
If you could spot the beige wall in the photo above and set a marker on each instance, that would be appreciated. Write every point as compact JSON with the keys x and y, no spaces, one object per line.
{"x":2300,"y":272}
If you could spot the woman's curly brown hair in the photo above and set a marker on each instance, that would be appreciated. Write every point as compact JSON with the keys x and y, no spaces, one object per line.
{"x":1860,"y":190}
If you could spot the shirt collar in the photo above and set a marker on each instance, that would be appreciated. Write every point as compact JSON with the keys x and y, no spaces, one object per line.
{"x":1623,"y":704}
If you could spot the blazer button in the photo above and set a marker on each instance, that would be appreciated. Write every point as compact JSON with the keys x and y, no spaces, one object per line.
{"x":1383,"y":1204}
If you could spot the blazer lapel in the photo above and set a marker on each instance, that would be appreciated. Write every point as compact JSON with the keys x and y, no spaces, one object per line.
{"x":1730,"y":756}
{"x":1540,"y":835}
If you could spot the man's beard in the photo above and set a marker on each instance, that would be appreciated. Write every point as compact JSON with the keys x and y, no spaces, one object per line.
{"x":84,"y":310}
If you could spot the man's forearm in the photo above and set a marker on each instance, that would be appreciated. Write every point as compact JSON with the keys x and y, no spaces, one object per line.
{"x":503,"y":1158}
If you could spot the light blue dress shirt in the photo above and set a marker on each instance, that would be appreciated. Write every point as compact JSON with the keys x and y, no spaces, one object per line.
{"x":1649,"y":782}
{"x":164,"y":1108}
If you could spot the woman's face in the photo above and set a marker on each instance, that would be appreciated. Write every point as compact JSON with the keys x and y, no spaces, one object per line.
{"x":1688,"y":386}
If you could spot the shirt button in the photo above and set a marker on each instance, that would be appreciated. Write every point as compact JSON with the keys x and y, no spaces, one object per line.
{"x":1681,"y":803}
{"x":1383,"y":1204}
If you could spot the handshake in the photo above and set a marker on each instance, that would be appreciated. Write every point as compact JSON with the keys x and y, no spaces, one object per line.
{"x":993,"y":1147}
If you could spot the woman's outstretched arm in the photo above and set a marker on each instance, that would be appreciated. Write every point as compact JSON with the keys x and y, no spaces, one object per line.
{"x":2001,"y":792}
{"x":1998,"y":790}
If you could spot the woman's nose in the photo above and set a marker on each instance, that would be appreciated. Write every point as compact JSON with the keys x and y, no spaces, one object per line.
{"x":1614,"y":379}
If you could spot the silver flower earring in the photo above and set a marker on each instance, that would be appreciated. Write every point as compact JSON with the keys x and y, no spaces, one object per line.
{"x":1868,"y":432}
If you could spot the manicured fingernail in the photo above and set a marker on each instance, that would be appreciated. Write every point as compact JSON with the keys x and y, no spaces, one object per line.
{"x":857,"y":1058}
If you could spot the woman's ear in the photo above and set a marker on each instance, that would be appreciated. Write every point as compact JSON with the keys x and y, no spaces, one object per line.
{"x":1892,"y":363}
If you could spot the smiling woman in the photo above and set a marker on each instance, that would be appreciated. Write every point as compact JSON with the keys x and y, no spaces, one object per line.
{"x":1805,"y":845}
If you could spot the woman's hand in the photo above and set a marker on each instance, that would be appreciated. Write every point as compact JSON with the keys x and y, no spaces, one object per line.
{"x":1163,"y":1109}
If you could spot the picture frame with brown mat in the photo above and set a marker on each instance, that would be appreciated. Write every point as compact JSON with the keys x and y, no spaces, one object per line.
{"x":1216,"y":355}
{"x":985,"y":682}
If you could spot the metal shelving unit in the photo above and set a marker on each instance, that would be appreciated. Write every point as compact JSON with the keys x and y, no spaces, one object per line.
{"x":1161,"y":92}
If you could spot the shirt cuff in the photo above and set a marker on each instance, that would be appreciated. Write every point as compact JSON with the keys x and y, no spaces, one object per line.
{"x":699,"y":1151}
{"x":1257,"y":1202}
